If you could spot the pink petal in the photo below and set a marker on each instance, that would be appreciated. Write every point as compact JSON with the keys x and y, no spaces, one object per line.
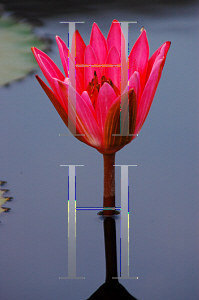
{"x":124,"y":76}
{"x":62,"y":89}
{"x":160,"y":51}
{"x":62,"y":94}
{"x":78,"y":49}
{"x":64,"y":54}
{"x":54,"y":100}
{"x":138,"y":58}
{"x":90,"y":59}
{"x":58,"y":106}
{"x":114,"y":73}
{"x":116,"y":37}
{"x":98,"y":43}
{"x":50,"y":68}
{"x":105,"y":99}
{"x":148,"y":94}
{"x":83,"y":118}
{"x":48,"y":72}
{"x":79,"y":81}
{"x":87,"y":121}
{"x":76,"y":77}
{"x":87,"y":99}
{"x":134,"y":83}
{"x":113,"y":123}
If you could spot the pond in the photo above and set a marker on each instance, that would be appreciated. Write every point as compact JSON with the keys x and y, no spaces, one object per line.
{"x":163,"y":187}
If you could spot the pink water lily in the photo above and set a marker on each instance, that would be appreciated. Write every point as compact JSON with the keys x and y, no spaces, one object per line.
{"x":99,"y":89}
{"x":101,"y":84}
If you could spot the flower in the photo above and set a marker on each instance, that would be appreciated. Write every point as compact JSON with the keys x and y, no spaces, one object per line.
{"x":102,"y":85}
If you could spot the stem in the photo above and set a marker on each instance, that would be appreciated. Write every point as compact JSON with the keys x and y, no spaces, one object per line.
{"x":109,"y":183}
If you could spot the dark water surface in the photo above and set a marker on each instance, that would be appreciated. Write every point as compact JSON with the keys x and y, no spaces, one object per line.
{"x":164,"y":210}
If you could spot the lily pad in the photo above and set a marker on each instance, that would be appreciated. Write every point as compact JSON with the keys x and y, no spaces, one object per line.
{"x":3,"y":200}
{"x":16,"y":59}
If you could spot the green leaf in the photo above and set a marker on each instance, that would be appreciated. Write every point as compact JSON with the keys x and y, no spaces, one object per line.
{"x":16,"y":59}
{"x":3,"y":200}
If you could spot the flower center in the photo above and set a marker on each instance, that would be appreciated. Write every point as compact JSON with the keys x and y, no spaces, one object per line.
{"x":94,"y":87}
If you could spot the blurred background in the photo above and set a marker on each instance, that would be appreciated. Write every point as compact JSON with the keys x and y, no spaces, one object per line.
{"x":163,"y":188}
{"x":41,"y":8}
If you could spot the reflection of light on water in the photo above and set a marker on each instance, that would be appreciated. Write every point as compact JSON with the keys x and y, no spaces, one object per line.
{"x":4,"y":199}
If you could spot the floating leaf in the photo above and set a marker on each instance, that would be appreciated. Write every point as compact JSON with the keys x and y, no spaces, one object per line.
{"x":3,"y":200}
{"x":2,"y":182}
{"x":16,"y":59}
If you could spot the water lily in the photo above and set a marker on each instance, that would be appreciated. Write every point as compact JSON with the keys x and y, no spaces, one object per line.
{"x":105,"y":83}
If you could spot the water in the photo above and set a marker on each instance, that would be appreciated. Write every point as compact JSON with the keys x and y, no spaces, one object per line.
{"x":163,"y":230}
